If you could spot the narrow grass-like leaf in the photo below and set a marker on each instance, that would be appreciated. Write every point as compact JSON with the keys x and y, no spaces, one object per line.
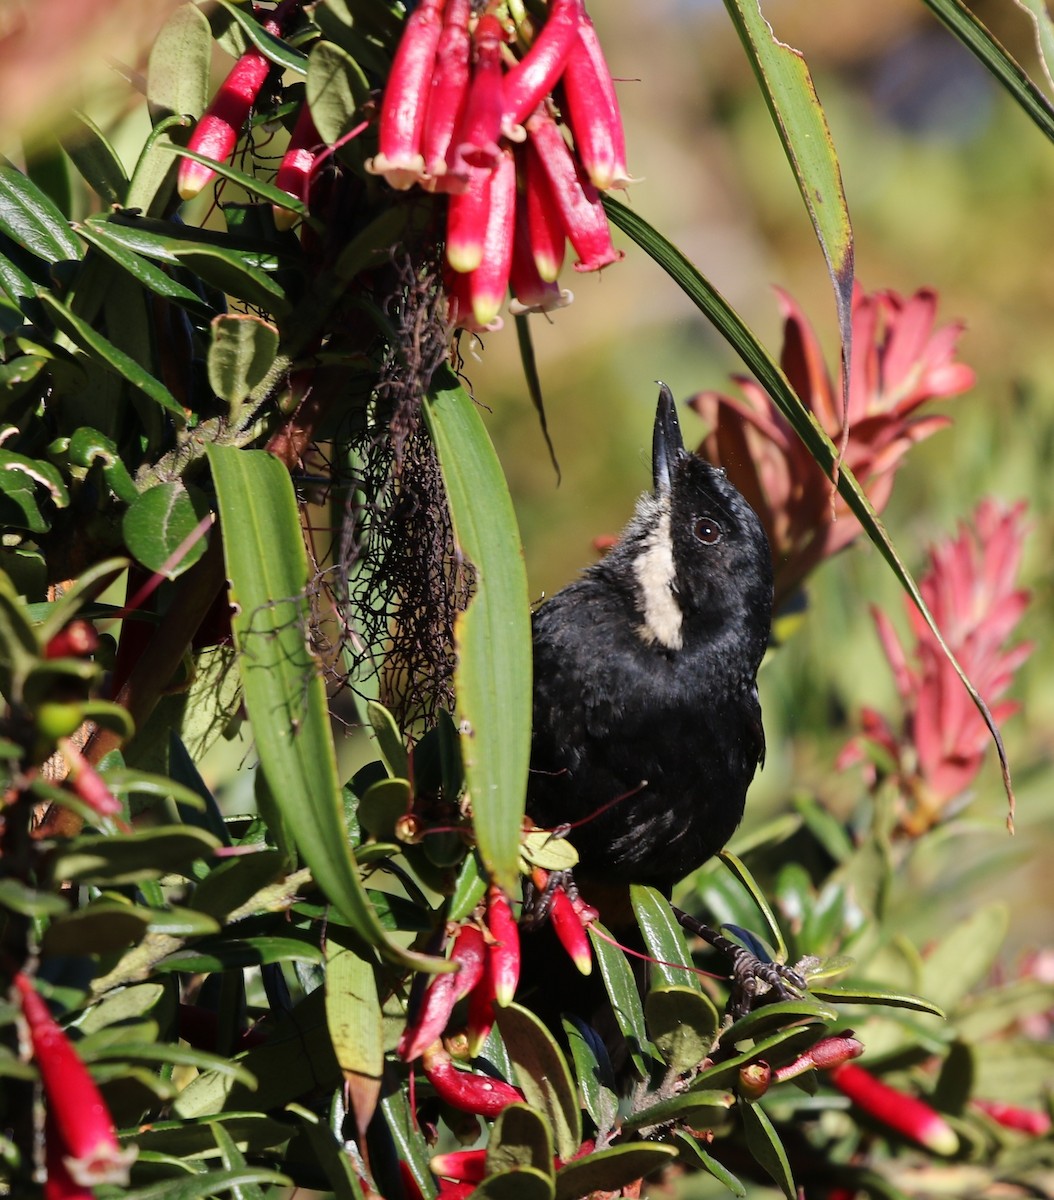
{"x":739,"y":870}
{"x":529,"y":365}
{"x":732,"y":327}
{"x":254,"y":186}
{"x":103,"y":351}
{"x":492,"y":679}
{"x":1044,"y":28}
{"x":284,"y":692}
{"x":353,"y":1015}
{"x":799,"y":118}
{"x":978,"y":39}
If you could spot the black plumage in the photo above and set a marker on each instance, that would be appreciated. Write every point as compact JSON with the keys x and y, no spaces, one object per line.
{"x":647,"y":725}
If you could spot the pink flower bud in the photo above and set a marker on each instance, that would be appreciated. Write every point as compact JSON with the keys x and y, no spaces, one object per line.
{"x":216,"y":134}
{"x":545,"y":225}
{"x":399,"y":157}
{"x":81,"y":1118}
{"x":576,"y":198}
{"x":593,"y":111}
{"x":535,"y":75}
{"x":448,"y":92}
{"x":444,"y":991}
{"x":294,"y":171}
{"x":899,"y":1111}
{"x":476,"y":140}
{"x":465,"y":1090}
{"x":505,"y":950}
{"x":827,"y":1053}
{"x":489,"y":282}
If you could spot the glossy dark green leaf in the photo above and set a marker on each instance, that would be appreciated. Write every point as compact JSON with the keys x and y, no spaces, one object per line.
{"x":131,"y":857}
{"x":390,"y":740}
{"x":194,"y":1139}
{"x":979,"y":40}
{"x":543,"y":1075}
{"x":520,"y":1137}
{"x":336,"y":90}
{"x":284,"y":692}
{"x":693,"y":1152}
{"x":699,"y":1107}
{"x":492,"y":679}
{"x":242,"y":351}
{"x":255,"y":187}
{"x":29,"y":482}
{"x":142,"y":270}
{"x":331,"y":1157}
{"x":96,"y":159}
{"x":664,"y":938}
{"x":384,"y":803}
{"x":625,"y":999}
{"x":32,"y":220}
{"x":469,"y":890}
{"x":766,"y":1147}
{"x":103,"y":351}
{"x":235,"y":275}
{"x":876,"y":996}
{"x":208,"y":1184}
{"x":682,"y":1023}
{"x":353,"y":1015}
{"x":227,"y":954}
{"x":739,"y":870}
{"x":233,"y":882}
{"x":409,"y":1142}
{"x":525,"y":1183}
{"x":159,"y":528}
{"x":731,"y":326}
{"x":277,"y":50}
{"x":612,"y":1169}
{"x":178,"y":69}
{"x":779,"y":1015}
{"x":165,"y":241}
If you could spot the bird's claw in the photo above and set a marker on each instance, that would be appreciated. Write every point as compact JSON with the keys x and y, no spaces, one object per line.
{"x":749,"y":971}
{"x":537,"y":902}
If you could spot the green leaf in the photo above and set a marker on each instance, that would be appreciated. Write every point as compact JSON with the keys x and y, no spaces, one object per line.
{"x":284,"y":692}
{"x":694,"y":1152}
{"x":612,"y":1169}
{"x":235,"y":275}
{"x":525,"y":1183}
{"x":787,"y":86}
{"x":161,"y":529}
{"x":103,"y":927}
{"x":20,"y":480}
{"x":664,"y":938}
{"x":766,"y":1147}
{"x":469,"y":889}
{"x":520,"y":1137}
{"x":242,"y":351}
{"x":625,"y":999}
{"x":331,"y":1156}
{"x":254,"y":186}
{"x":731,"y":326}
{"x":1044,"y":30}
{"x":277,"y":50}
{"x":96,"y":160}
{"x":29,"y":902}
{"x":234,"y":1160}
{"x":698,"y":1107}
{"x":227,"y":954}
{"x":965,"y":956}
{"x":389,"y":740}
{"x":32,"y":220}
{"x":540,"y":848}
{"x":336,"y":90}
{"x":232,"y":883}
{"x":876,"y":996}
{"x":93,"y":581}
{"x":779,"y":1015}
{"x":682,"y":1023}
{"x":207,"y":1185}
{"x":131,"y":857}
{"x":543,"y":1075}
{"x":409,"y":1142}
{"x":492,"y":679}
{"x":979,"y":41}
{"x":353,"y":1015}
{"x":739,"y":870}
{"x":594,"y":1074}
{"x":781,"y":1047}
{"x":178,"y":70}
{"x":154,"y":177}
{"x":103,"y":351}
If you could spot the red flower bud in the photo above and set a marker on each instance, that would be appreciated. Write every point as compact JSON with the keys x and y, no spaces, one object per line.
{"x":489,"y":282}
{"x":465,"y":1090}
{"x":87,"y":783}
{"x":444,"y":991}
{"x":464,"y":1166}
{"x":399,"y":157}
{"x":294,"y":171}
{"x":216,"y":134}
{"x":504,"y":954}
{"x":568,"y":927}
{"x":827,"y":1053}
{"x":1025,"y":1120}
{"x":593,"y":111}
{"x":531,"y":293}
{"x":81,"y":1119}
{"x":545,"y":225}
{"x":481,"y":1009}
{"x":577,"y":199}
{"x":459,"y":303}
{"x":77,"y":640}
{"x":466,"y":222}
{"x":535,"y":75}
{"x":60,"y":1184}
{"x":897,"y":1110}
{"x":476,"y":140}
{"x":449,"y":88}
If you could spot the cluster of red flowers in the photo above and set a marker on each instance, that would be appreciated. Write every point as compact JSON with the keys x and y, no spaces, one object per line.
{"x":462,"y":115}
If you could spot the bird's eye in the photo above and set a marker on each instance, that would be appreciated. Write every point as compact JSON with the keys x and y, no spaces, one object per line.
{"x":707,"y":531}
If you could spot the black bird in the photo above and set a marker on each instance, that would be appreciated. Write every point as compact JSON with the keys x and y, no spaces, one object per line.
{"x":647,"y":725}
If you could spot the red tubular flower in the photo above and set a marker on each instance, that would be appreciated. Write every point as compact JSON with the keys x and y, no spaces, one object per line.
{"x":463,"y":1166}
{"x":569,"y":927}
{"x":466,"y":222}
{"x":531,"y":293}
{"x":1032,"y":1121}
{"x":476,"y":139}
{"x":827,"y":1053}
{"x":86,"y":782}
{"x":578,"y":201}
{"x":535,"y":75}
{"x":444,"y":991}
{"x":489,"y":282}
{"x":459,"y":304}
{"x":216,"y":134}
{"x":897,"y":1110}
{"x":294,"y":171}
{"x":465,"y":1090}
{"x":78,"y":639}
{"x":481,"y":1010}
{"x":900,"y":361}
{"x":60,"y":1184}
{"x":399,"y":158}
{"x":449,"y":88}
{"x":545,"y":225}
{"x":505,"y":951}
{"x":82,"y":1121}
{"x":593,"y":111}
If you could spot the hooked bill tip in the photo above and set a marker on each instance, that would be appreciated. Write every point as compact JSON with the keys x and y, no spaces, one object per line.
{"x":666,"y":441}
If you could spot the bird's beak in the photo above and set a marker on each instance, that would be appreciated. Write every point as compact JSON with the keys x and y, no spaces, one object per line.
{"x":666,"y":441}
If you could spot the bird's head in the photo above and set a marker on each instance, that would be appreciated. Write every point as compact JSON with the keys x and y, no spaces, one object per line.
{"x":696,"y":552}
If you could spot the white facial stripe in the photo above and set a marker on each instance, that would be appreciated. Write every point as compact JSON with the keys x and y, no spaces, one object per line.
{"x":655,"y":572}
